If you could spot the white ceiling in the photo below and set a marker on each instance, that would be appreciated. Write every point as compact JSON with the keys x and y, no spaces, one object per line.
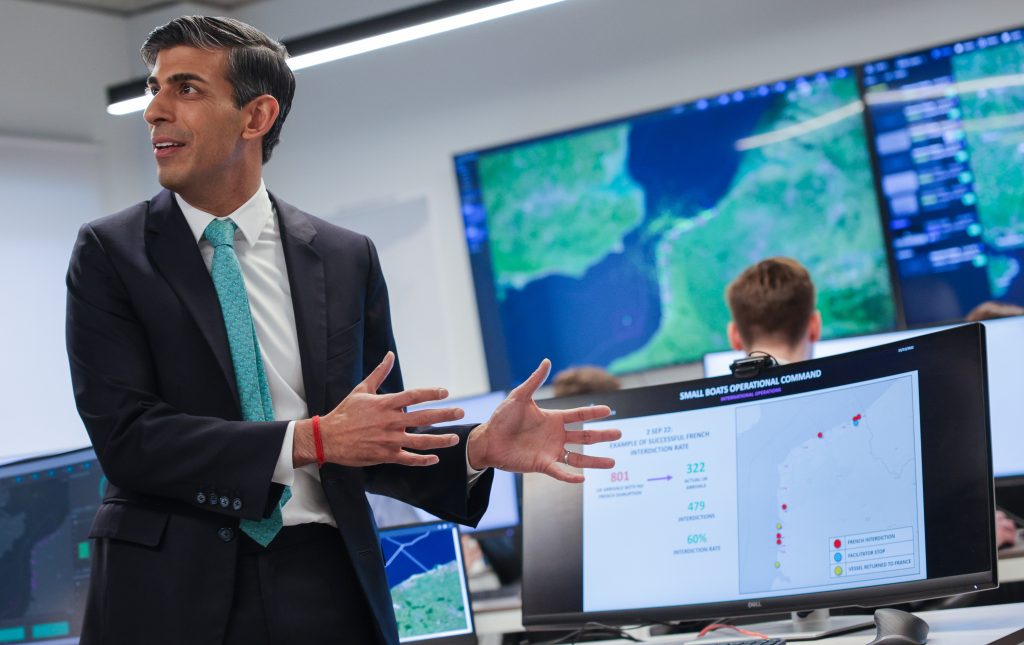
{"x":130,"y":7}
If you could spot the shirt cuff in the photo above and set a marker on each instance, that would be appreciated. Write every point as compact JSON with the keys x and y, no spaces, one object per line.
{"x":284,"y":471}
{"x":472,"y":474}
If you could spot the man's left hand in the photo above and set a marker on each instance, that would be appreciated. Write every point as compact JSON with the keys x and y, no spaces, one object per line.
{"x":522,"y":438}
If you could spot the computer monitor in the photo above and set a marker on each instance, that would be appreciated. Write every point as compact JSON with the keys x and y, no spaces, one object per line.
{"x":1004,"y":356}
{"x":47,"y":505}
{"x":717,"y":363}
{"x":503,"y":509}
{"x":858,"y":479}
{"x":945,"y":129}
{"x":427,"y":578}
{"x":611,"y":244}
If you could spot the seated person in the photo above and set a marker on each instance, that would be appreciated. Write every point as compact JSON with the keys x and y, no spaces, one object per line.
{"x":993,"y":309}
{"x":773,"y":310}
{"x":584,"y":379}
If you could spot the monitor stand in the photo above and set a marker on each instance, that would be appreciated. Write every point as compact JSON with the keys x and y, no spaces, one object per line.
{"x":800,"y":627}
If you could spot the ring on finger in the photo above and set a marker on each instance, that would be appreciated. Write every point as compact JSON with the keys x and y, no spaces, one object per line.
{"x":565,"y":457}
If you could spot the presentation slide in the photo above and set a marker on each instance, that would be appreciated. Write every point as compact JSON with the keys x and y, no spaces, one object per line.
{"x":810,"y":492}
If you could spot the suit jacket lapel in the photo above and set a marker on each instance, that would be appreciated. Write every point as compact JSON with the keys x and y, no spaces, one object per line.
{"x":173,"y":250}
{"x":309,"y":299}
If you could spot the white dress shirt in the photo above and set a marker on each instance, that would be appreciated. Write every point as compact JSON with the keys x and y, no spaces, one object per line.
{"x":261,"y":255}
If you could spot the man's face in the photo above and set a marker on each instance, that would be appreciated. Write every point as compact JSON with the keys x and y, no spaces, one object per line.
{"x":194,"y":125}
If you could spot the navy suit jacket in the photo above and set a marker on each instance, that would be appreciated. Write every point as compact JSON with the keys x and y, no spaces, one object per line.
{"x":155,"y":387}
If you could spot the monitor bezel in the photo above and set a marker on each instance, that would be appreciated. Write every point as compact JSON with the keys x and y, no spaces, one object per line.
{"x":540,"y":491}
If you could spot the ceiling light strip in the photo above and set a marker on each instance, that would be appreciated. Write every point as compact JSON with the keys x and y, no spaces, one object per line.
{"x":136,"y":103}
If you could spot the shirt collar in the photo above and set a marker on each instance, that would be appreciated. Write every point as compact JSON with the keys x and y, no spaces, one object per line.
{"x":251,"y":217}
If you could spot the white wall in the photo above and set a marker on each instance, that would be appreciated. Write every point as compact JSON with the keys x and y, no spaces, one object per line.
{"x":383,"y":127}
{"x":370,"y":139}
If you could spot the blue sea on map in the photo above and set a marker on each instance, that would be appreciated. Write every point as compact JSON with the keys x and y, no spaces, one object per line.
{"x":687,"y":158}
{"x":427,"y":553}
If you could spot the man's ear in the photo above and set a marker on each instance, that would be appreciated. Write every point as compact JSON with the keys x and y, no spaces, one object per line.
{"x":735,"y":340}
{"x":261,"y":114}
{"x":814,"y":327}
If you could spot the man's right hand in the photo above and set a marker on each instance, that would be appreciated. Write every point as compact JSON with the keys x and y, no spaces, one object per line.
{"x":369,"y":428}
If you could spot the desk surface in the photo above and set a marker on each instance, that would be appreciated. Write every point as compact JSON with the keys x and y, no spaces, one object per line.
{"x":1011,"y":569}
{"x":965,"y":626}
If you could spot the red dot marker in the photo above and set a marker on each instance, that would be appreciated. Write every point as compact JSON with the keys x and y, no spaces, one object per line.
{"x":820,"y":435}
{"x":778,"y":541}
{"x":778,"y":535}
{"x":838,"y":543}
{"x":784,"y":507}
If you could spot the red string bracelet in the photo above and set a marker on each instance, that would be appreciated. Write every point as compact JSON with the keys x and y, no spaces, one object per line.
{"x":319,"y":441}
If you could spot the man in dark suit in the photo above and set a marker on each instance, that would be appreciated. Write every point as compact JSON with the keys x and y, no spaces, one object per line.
{"x":233,"y":361}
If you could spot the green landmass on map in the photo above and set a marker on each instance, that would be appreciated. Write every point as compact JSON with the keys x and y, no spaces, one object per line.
{"x":810,"y":197}
{"x":993,"y":119}
{"x":558,"y":207}
{"x":430,"y":602}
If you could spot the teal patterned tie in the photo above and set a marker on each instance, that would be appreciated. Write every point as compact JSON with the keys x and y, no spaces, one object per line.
{"x":253,"y":390}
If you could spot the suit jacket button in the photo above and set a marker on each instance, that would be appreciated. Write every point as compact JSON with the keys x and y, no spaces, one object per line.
{"x":200,"y":497}
{"x":237,"y":504}
{"x":224,"y":501}
{"x":213,"y":499}
{"x":226,"y":534}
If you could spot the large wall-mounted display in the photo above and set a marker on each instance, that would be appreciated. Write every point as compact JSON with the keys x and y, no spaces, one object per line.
{"x":613,"y":244}
{"x":949,"y":146}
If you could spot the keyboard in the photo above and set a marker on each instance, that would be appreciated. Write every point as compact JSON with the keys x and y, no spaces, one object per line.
{"x":505,"y":597}
{"x":756,"y":641}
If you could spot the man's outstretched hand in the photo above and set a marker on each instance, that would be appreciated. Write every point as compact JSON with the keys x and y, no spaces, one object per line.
{"x":369,"y":428}
{"x":521,"y":437}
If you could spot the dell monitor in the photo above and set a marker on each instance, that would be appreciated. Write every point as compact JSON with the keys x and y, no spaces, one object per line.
{"x":859,"y":479}
{"x":47,"y":505}
{"x":502,"y":513}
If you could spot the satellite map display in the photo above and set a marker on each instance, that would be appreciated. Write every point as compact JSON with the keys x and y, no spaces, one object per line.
{"x":613,"y":245}
{"x":424,"y":569}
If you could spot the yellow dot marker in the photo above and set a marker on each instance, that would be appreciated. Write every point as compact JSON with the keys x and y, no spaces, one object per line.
{"x":778,"y":564}
{"x":778,"y":525}
{"x":839,"y":571}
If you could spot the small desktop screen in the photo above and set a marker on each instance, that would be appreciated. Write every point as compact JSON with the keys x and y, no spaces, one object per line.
{"x":858,"y":479}
{"x":47,"y":505}
{"x":1004,"y":356}
{"x":427,"y":578}
{"x":611,"y":244}
{"x":946,"y":125}
{"x":502,"y":510}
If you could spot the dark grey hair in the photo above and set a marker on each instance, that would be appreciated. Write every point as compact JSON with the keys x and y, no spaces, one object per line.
{"x":256,"y":63}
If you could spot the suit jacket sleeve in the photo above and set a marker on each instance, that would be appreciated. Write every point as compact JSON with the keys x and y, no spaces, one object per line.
{"x":441,"y":489}
{"x":144,"y":444}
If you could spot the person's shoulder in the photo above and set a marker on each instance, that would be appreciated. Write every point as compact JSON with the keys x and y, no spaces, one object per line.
{"x":325,"y":232}
{"x":134,"y":214}
{"x":134,"y":219}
